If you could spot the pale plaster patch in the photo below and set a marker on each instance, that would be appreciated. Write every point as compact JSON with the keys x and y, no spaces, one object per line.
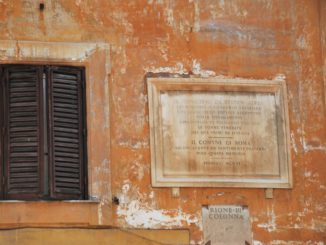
{"x":301,"y":42}
{"x":196,"y":69}
{"x":138,"y":214}
{"x":196,"y":25}
{"x":51,"y":51}
{"x":100,"y":214}
{"x":133,"y":144}
{"x":293,"y":144}
{"x":193,"y":242}
{"x":120,"y":18}
{"x":138,"y":168}
{"x":177,"y":69}
{"x":279,"y":77}
{"x":271,"y":224}
{"x":322,"y":187}
{"x":308,"y":147}
{"x":169,"y":16}
{"x":232,"y":33}
{"x":255,"y":242}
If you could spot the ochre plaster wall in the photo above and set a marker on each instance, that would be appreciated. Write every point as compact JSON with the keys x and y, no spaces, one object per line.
{"x":237,"y":38}
{"x":75,"y":236}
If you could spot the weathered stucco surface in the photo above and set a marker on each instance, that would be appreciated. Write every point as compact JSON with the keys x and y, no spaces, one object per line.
{"x":260,"y":39}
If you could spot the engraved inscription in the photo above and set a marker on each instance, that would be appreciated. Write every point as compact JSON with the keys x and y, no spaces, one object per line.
{"x":205,"y":132}
{"x":226,"y":224}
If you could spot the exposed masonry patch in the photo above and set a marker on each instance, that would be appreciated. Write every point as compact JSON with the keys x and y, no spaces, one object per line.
{"x":139,"y":214}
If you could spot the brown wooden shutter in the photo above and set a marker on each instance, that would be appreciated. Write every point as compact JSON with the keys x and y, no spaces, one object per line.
{"x":23,"y":137}
{"x":66,"y":132}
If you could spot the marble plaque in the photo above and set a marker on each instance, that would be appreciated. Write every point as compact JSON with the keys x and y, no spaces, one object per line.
{"x":219,"y":132}
{"x":226,"y":225}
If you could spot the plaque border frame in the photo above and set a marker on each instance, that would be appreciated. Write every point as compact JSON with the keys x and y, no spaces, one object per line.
{"x":157,"y":84}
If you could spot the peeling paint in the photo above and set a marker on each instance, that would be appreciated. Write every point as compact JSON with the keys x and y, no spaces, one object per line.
{"x":138,"y":214}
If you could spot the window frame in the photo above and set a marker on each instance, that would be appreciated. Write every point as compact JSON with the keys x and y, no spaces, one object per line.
{"x":50,"y":194}
{"x":96,"y":58}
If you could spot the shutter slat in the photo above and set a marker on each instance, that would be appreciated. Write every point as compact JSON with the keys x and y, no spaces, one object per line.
{"x":65,"y":91}
{"x":67,"y":164}
{"x":67,"y":160}
{"x":21,"y":94}
{"x":67,"y":142}
{"x":73,"y":122}
{"x":67,"y":170}
{"x":60,"y":85}
{"x":69,"y":96}
{"x":25,"y":164}
{"x":26,"y":89}
{"x":24,"y":136}
{"x":71,"y":145}
{"x":23,"y":139}
{"x":58,"y":76}
{"x":23,"y":119}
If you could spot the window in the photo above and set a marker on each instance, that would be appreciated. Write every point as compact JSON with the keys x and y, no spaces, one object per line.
{"x":43,"y":136}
